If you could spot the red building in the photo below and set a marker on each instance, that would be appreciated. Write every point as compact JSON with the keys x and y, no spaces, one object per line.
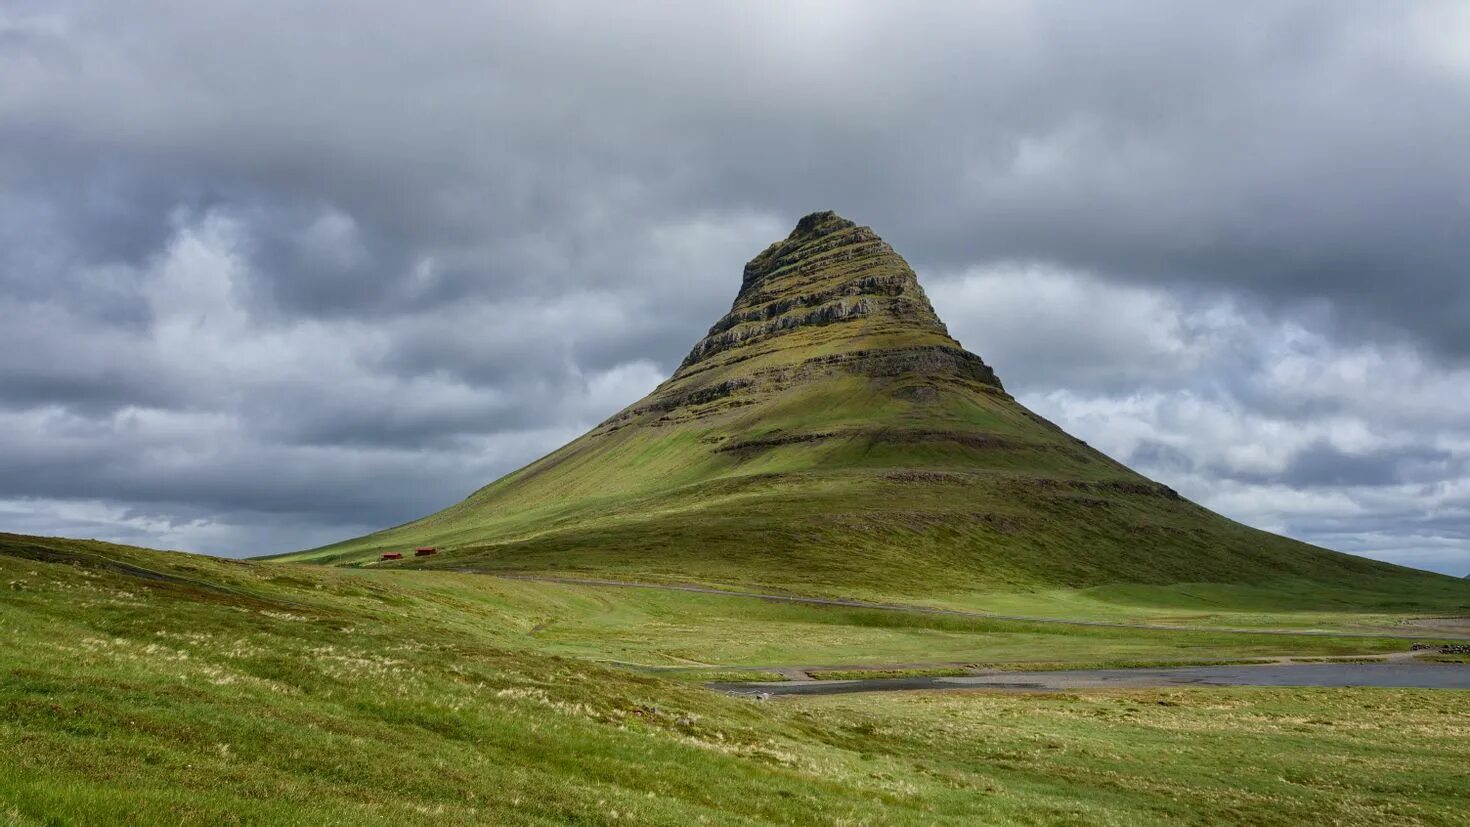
{"x":425,"y":551}
{"x":391,"y":555}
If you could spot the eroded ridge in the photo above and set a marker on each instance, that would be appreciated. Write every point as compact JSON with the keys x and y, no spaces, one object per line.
{"x":831,"y":299}
{"x":828,"y":271}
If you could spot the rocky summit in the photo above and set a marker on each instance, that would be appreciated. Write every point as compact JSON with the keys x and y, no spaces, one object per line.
{"x":829,"y":435}
{"x":832,"y":299}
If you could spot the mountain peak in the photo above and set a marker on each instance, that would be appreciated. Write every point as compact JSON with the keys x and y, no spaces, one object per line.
{"x":814,"y":234}
{"x":820,"y":223}
{"x":831,"y":300}
{"x":828,"y":272}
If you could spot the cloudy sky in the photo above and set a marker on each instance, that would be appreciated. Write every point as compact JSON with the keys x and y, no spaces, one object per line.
{"x":273,"y":275}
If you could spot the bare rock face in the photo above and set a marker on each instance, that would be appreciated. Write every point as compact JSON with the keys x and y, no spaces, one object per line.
{"x":830,"y":299}
{"x":828,"y":270}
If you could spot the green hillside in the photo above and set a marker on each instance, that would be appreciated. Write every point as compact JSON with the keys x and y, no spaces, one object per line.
{"x":828,"y":436}
{"x":147,"y":687}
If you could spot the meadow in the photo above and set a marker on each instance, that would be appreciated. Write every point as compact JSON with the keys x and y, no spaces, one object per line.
{"x":148,"y":687}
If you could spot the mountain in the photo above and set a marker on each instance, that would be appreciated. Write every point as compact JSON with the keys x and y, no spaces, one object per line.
{"x":829,"y":435}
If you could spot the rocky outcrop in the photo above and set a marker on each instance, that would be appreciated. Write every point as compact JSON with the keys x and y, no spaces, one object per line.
{"x":774,"y":306}
{"x":1443,"y":649}
{"x":734,"y":336}
{"x":832,"y":299}
{"x":829,"y":270}
{"x":930,"y":361}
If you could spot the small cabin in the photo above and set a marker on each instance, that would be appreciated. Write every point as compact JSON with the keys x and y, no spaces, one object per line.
{"x":391,"y":555}
{"x":425,"y":551}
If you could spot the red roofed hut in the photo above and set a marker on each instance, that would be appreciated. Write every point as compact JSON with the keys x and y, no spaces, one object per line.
{"x":391,"y":555}
{"x":425,"y":551}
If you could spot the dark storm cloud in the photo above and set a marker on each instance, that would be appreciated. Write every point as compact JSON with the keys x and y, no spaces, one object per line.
{"x":1179,"y":141}
{"x":1323,"y":464}
{"x":257,"y":255}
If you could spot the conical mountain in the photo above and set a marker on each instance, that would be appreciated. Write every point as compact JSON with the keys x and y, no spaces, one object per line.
{"x":829,"y":435}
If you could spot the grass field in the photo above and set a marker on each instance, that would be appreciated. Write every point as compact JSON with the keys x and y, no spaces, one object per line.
{"x":151,"y":687}
{"x":673,"y":628}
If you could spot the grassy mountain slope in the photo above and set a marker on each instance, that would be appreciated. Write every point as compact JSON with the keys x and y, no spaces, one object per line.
{"x":151,"y":687}
{"x":829,"y":436}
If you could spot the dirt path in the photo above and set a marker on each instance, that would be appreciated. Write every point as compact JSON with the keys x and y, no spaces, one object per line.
{"x":896,"y":607}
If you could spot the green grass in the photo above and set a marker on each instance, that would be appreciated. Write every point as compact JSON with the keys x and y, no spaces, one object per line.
{"x":150,"y":687}
{"x":1244,"y":756}
{"x":814,"y":525}
{"x":1295,"y":602}
{"x":681,"y":628}
{"x":800,"y":534}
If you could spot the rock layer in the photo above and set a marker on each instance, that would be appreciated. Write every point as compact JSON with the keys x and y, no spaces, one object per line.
{"x":830,"y":287}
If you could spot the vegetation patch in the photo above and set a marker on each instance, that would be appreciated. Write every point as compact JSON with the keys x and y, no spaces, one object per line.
{"x":870,"y":674}
{"x":229,"y":692}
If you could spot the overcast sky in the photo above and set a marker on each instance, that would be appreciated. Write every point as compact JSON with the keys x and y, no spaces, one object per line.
{"x":272,"y":276}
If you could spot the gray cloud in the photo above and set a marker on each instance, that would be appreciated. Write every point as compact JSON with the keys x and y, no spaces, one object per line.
{"x":327,"y":267}
{"x":1324,"y":464}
